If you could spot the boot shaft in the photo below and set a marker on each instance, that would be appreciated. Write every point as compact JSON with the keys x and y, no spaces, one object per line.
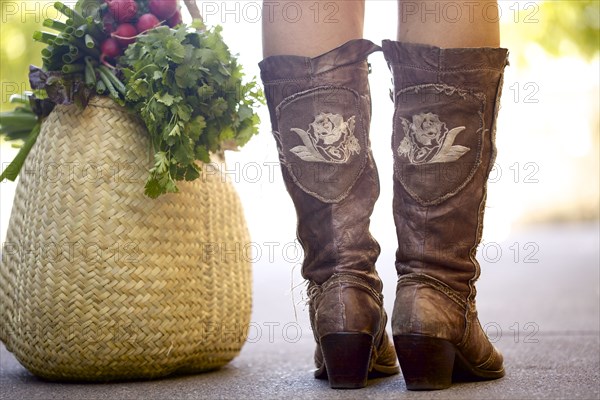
{"x":446,"y":103}
{"x":320,"y":111}
{"x":343,"y":67}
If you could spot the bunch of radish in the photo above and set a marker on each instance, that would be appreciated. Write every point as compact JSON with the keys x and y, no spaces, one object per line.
{"x":89,"y":44}
{"x":126,"y":19}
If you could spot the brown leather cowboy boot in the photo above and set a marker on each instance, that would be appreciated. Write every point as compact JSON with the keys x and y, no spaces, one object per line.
{"x":320,"y":112}
{"x":446,"y":101}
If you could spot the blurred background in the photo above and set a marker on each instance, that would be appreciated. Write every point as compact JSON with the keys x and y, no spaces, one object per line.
{"x":539,"y":292}
{"x":546,"y":173}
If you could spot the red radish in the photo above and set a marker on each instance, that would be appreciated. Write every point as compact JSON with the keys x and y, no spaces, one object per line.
{"x":147,"y":22}
{"x":122,"y":10}
{"x":175,"y":19}
{"x":125,"y":34}
{"x":163,"y":9}
{"x":110,"y":48}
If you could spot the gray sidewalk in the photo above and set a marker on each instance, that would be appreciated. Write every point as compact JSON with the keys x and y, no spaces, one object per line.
{"x":540,"y":305}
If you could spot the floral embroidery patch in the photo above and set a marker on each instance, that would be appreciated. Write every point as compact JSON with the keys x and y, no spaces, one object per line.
{"x":322,"y":140}
{"x":438,"y":139}
{"x":428,"y":141}
{"x":329,"y":139}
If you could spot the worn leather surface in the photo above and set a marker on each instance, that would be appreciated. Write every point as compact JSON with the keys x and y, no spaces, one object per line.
{"x":333,"y":230}
{"x":346,"y":303}
{"x":446,"y":102}
{"x":320,"y":111}
{"x":428,"y":307}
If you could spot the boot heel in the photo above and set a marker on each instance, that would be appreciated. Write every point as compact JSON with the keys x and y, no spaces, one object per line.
{"x":347,"y":356}
{"x":426,"y":362}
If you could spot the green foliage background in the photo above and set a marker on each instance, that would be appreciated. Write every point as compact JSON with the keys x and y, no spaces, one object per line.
{"x":560,"y":27}
{"x":17,"y":49}
{"x":563,"y":27}
{"x":571,"y":26}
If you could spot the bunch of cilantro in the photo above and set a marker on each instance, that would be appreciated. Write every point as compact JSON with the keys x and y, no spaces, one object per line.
{"x":188,"y":89}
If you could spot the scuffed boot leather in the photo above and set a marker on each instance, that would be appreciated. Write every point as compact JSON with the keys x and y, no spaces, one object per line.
{"x":320,"y":111}
{"x":446,"y":102}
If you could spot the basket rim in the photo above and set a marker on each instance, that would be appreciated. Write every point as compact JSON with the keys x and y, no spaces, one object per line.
{"x":101,"y":101}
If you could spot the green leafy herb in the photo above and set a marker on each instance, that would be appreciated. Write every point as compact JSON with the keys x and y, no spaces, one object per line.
{"x":188,"y":89}
{"x":185,"y":84}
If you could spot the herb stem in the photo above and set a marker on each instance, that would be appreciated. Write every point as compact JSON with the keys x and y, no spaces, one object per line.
{"x":140,"y":70}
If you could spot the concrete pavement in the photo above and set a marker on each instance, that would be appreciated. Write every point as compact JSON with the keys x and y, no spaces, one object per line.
{"x":538,"y":300}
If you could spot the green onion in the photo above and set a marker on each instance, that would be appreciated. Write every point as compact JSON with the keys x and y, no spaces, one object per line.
{"x":91,"y":61}
{"x":89,"y":41}
{"x":51,"y":51}
{"x":81,"y":31}
{"x":90,"y":73}
{"x":58,"y":51}
{"x":20,"y":98}
{"x":72,"y":68}
{"x":48,"y":51}
{"x":14,"y":167}
{"x":44,"y":37}
{"x":109,"y":85}
{"x":51,"y":64}
{"x":100,"y":87}
{"x":69,"y":13}
{"x":54,"y":24}
{"x":113,"y":79}
{"x":94,"y":52}
{"x":63,"y":39}
{"x":70,"y":59}
{"x":18,"y":120}
{"x":96,"y":30}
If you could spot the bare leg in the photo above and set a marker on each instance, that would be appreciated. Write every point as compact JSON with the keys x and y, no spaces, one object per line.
{"x":444,"y":23}
{"x":310,"y":28}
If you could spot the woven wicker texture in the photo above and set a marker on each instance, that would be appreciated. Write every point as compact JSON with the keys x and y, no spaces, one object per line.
{"x":100,"y":282}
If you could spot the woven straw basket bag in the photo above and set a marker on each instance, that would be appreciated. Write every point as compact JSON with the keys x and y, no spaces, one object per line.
{"x":100,"y":282}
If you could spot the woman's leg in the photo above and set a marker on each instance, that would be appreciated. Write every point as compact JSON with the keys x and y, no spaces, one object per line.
{"x":446,"y":23}
{"x":310,"y":28}
{"x":447,"y":83}
{"x":316,"y":83}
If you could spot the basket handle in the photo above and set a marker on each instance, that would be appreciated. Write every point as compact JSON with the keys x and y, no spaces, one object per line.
{"x":193,"y":9}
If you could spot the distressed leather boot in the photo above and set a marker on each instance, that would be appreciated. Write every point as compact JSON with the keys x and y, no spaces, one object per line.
{"x":446,"y":102}
{"x":320,"y":111}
